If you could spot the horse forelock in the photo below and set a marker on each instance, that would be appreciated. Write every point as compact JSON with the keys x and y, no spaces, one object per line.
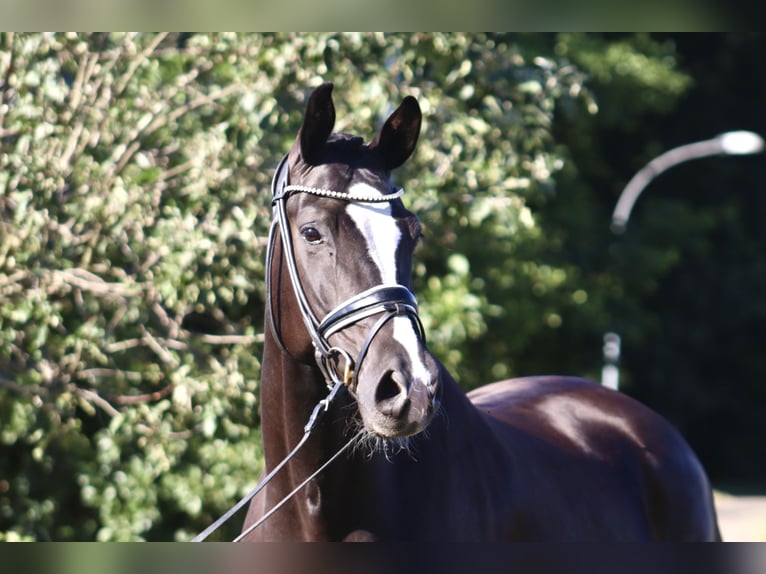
{"x":346,"y":153}
{"x":344,"y":140}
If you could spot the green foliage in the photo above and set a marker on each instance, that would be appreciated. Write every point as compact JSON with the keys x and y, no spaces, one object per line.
{"x":134,"y":178}
{"x":131,"y":230}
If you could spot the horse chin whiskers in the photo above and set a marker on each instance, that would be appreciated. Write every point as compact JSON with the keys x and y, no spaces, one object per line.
{"x":369,"y":443}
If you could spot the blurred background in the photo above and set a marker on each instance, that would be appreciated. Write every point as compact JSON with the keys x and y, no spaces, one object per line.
{"x":134,"y":210}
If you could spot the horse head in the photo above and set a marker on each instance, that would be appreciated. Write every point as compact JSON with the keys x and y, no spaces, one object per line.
{"x":341,"y":285}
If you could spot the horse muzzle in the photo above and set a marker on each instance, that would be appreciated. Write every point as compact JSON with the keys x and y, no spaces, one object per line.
{"x":394,"y":378}
{"x":399,"y":402}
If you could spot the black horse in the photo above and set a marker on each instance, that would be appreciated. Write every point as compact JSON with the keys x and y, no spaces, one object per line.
{"x":537,"y":458}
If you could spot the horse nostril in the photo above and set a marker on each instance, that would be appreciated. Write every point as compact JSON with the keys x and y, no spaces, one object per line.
{"x":388,"y":388}
{"x":391,"y":396}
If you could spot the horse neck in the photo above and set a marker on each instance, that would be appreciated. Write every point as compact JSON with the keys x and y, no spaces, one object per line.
{"x":290,"y":389}
{"x":357,"y":494}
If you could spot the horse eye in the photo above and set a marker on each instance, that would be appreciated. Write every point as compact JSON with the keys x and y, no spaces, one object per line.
{"x":311,"y":235}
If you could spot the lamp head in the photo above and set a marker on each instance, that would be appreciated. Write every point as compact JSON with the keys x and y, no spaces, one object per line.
{"x":740,"y":142}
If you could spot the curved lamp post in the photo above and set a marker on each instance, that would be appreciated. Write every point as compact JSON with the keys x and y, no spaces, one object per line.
{"x":729,"y":143}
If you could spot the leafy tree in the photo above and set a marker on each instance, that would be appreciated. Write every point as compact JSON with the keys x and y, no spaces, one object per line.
{"x":129,"y":236}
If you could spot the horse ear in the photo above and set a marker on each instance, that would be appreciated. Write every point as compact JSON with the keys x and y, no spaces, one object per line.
{"x":318,"y":122}
{"x":397,"y":138}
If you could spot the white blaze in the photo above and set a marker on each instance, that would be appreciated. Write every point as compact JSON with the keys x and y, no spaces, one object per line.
{"x":379,"y":229}
{"x":382,"y":235}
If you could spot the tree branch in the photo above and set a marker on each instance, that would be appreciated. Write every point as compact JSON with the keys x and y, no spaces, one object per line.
{"x":93,"y":397}
{"x":137,"y":61}
{"x":231,"y":339}
{"x":14,"y":386}
{"x":158,"y":349}
{"x":145,"y":398}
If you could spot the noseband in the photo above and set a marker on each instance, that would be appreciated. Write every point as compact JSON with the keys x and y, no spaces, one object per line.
{"x":389,"y":301}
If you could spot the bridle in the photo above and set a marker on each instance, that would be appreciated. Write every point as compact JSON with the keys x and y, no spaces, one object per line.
{"x":388,"y":301}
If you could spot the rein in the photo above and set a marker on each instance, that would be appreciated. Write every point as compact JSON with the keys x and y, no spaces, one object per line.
{"x":293,"y":492}
{"x":389,"y":301}
{"x":319,"y":410}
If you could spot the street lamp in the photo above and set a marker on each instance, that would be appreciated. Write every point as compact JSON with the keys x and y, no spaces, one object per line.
{"x":730,"y":143}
